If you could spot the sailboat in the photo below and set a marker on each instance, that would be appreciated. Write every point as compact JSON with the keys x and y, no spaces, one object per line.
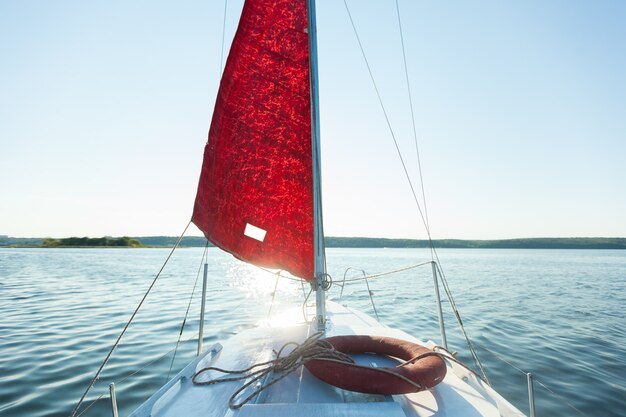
{"x":259,"y":198}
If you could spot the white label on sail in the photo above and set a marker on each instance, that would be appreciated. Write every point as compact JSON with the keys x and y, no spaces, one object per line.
{"x":254,"y":232}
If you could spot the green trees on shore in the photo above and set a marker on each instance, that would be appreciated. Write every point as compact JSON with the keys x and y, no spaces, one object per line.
{"x":331,"y":242}
{"x":94,"y":242}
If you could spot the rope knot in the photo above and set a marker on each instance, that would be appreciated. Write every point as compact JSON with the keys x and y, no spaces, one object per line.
{"x":312,"y":348}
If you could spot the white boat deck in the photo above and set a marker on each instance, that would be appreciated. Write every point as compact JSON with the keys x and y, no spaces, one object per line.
{"x":460,"y":394}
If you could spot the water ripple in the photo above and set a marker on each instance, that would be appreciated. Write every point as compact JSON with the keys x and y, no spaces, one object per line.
{"x":557,"y":314}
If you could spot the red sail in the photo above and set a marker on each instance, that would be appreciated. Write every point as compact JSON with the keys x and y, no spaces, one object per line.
{"x":255,"y":195}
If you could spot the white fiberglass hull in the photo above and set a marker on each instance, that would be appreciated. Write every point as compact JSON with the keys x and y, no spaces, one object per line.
{"x":461,"y":394}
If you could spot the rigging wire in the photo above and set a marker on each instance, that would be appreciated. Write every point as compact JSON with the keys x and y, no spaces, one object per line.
{"x":371,"y":294}
{"x":457,"y":315}
{"x":382,"y":106}
{"x":369,"y":291}
{"x":343,"y":282}
{"x":417,"y":203}
{"x":145,"y":365}
{"x":93,"y":403}
{"x":119,"y":338}
{"x":193,"y":291}
{"x":223,"y":36}
{"x":269,"y":312}
{"x":517,"y":368}
{"x":306,"y":299}
{"x":560,"y":398}
{"x":382,"y":274}
{"x":433,"y":251}
{"x":417,"y":151}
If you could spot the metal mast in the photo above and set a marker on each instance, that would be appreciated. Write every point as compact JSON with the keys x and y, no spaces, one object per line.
{"x":318,"y":241}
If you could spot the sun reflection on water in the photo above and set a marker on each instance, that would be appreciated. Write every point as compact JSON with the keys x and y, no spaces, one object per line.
{"x":281,"y":293}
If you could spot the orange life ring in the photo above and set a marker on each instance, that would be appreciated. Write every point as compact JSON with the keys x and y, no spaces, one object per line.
{"x":424,"y":372}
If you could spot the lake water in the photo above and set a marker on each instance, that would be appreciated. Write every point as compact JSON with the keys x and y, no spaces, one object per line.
{"x":560,"y":314}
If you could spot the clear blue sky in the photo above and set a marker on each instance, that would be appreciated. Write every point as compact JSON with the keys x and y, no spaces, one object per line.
{"x":520,"y":111}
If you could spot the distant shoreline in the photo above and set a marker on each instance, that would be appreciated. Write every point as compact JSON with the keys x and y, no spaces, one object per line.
{"x":331,"y":242}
